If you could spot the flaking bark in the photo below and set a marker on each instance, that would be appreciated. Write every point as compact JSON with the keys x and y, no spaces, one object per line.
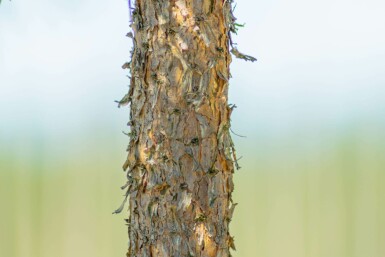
{"x":181,"y":157}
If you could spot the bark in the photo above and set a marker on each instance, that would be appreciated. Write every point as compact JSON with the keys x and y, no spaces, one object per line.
{"x":181,"y":158}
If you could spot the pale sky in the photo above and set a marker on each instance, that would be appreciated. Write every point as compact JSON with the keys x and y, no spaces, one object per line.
{"x":320,"y":63}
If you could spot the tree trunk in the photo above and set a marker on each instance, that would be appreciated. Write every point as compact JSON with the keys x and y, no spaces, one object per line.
{"x":180,"y":157}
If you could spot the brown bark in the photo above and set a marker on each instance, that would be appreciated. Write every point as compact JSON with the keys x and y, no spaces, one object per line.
{"x":180,"y":156}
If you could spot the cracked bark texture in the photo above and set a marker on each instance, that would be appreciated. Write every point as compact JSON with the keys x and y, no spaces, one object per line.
{"x":181,"y":158}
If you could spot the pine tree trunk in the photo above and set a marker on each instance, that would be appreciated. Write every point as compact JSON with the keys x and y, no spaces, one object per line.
{"x":180,"y":157}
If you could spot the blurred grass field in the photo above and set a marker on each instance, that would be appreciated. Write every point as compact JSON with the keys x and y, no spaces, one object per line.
{"x":303,"y":195}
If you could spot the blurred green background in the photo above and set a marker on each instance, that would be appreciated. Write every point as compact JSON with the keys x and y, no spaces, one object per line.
{"x":312,"y":108}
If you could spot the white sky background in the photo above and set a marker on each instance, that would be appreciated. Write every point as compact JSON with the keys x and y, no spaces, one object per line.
{"x":320,"y":63}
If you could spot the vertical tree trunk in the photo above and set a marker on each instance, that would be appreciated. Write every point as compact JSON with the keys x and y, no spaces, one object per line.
{"x":180,"y":157}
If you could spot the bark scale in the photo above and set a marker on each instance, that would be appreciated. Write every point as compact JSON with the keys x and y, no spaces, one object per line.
{"x":181,"y":158}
